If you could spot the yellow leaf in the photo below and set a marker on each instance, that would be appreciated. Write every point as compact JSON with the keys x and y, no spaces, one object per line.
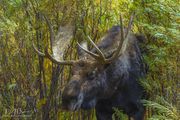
{"x":97,"y":2}
{"x":40,"y":103}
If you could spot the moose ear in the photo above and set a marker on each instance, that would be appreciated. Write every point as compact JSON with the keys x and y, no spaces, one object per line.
{"x":81,"y":52}
{"x":141,"y":38}
{"x":142,"y":41}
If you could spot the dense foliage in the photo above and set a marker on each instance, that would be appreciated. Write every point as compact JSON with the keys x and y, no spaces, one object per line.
{"x":31,"y":86}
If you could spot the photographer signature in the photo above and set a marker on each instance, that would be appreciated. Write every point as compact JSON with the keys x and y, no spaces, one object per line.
{"x":17,"y":112}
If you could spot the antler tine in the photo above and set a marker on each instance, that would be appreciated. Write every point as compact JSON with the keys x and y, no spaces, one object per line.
{"x":71,"y":62}
{"x":37,"y":51}
{"x":120,"y":43}
{"x":89,"y":52}
{"x":98,"y":50}
{"x":130,"y":23}
{"x":52,"y":36}
{"x":47,"y":55}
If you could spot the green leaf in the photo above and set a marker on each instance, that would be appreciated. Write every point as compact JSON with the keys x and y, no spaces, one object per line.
{"x":12,"y":86}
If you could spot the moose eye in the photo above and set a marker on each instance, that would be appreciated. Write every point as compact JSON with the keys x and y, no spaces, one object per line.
{"x":91,"y":75}
{"x":81,"y":64}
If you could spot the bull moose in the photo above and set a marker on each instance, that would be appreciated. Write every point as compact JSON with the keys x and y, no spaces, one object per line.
{"x":107,"y":76}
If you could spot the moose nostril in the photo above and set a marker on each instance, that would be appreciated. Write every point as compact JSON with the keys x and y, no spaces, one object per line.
{"x":64,"y":104}
{"x":63,"y":107}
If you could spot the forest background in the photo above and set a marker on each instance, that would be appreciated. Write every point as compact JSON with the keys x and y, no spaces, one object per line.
{"x":31,"y":86}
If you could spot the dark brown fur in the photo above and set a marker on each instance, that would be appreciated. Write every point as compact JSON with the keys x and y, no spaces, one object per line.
{"x":105,"y":86}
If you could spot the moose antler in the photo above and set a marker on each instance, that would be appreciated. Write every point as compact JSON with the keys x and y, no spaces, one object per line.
{"x":116,"y":54}
{"x":46,"y":53}
{"x":122,"y":44}
{"x":100,"y":56}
